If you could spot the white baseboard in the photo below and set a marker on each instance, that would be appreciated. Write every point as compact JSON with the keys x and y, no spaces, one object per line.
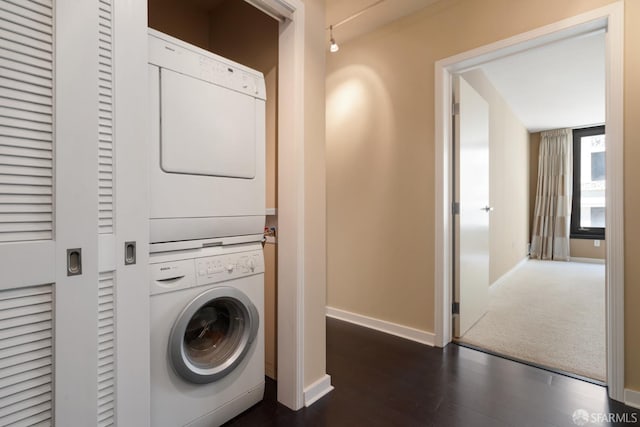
{"x":632,"y":398}
{"x":402,"y":331}
{"x":508,"y":273}
{"x":317,"y":390}
{"x":587,"y":260}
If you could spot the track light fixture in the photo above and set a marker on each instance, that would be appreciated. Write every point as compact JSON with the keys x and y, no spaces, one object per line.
{"x":333,"y":46}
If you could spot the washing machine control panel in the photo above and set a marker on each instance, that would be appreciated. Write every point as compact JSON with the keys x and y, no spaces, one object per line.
{"x":229,"y":266}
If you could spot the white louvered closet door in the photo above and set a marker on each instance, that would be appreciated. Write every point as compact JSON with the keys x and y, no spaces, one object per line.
{"x":49,"y":203}
{"x":26,"y":213}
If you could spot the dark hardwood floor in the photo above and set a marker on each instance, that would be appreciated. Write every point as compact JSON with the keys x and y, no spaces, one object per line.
{"x":382,"y":380}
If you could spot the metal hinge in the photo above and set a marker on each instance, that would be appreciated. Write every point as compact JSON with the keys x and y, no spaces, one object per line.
{"x":455,"y":308}
{"x":455,"y":208}
{"x":455,"y":108}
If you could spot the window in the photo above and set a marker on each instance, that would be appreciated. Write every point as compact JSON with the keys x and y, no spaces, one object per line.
{"x":589,"y":183}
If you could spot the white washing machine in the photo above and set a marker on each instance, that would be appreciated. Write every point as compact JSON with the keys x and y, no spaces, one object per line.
{"x":207,"y":334}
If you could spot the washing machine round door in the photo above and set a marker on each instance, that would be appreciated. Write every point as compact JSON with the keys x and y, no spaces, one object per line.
{"x":213,"y":334}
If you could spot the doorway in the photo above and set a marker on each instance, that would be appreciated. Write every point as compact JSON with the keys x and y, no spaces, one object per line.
{"x":611,"y":18}
{"x":546,"y":308}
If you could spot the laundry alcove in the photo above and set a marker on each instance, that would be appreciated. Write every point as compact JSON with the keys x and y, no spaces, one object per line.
{"x":238,"y":31}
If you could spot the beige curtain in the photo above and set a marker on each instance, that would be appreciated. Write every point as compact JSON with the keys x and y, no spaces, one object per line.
{"x":552,"y":215}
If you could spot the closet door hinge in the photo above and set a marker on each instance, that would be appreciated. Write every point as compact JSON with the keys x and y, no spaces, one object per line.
{"x":455,"y":108}
{"x":455,"y":208}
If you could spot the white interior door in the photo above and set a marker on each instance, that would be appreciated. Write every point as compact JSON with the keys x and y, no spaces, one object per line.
{"x":27,"y":245}
{"x":471,"y":243}
{"x":49,"y":206}
{"x":77,"y":181}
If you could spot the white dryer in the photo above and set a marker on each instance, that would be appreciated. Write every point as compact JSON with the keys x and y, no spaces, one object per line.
{"x":207,"y":334}
{"x":207,"y":117}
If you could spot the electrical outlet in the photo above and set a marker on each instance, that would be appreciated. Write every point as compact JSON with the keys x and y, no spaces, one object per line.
{"x":596,"y":243}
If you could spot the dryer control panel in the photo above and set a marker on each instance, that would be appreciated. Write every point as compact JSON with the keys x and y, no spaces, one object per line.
{"x":227,"y":267}
{"x":174,"y":54}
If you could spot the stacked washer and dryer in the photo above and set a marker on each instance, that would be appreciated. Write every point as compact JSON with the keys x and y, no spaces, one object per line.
{"x":207,"y":216}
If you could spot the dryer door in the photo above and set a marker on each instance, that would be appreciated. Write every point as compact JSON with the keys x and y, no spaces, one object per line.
{"x":206,"y":129}
{"x":213,"y":334}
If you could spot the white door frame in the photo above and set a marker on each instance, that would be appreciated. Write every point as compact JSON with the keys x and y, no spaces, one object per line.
{"x":291,"y":119}
{"x":612,"y":18}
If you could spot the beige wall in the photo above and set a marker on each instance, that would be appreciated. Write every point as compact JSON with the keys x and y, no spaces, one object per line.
{"x":508,"y":180}
{"x":380,"y":154}
{"x":579,"y":248}
{"x":585,"y":248}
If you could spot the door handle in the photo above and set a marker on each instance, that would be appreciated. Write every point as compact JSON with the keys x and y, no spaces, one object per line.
{"x":129,"y":253}
{"x":74,"y":262}
{"x":487,"y":209}
{"x":170,"y":279}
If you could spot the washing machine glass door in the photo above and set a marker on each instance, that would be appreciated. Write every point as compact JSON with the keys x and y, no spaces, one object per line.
{"x":213,"y":334}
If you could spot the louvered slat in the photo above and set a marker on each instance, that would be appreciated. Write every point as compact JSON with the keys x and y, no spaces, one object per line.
{"x":24,"y":31}
{"x":105,"y":123}
{"x":26,"y":47}
{"x":23,"y":18}
{"x":27,"y":329}
{"x":24,"y":180}
{"x":46,"y":3}
{"x":26,"y":120}
{"x":26,"y":416}
{"x":26,"y":356}
{"x":28,"y":394}
{"x":21,"y":76}
{"x":23,"y":190}
{"x":43,"y":419}
{"x":7,"y":141}
{"x":26,"y":123}
{"x":25,"y":385}
{"x":106,"y":351}
{"x":20,"y":58}
{"x":39,"y":7}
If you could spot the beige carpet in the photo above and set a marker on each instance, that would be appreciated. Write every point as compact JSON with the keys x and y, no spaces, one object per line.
{"x":550,"y":313}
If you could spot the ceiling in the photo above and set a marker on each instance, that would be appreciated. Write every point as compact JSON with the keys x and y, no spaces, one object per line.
{"x":554,"y":86}
{"x":379,"y":15}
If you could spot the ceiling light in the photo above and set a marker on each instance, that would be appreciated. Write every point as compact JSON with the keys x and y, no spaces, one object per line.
{"x":333,"y":46}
